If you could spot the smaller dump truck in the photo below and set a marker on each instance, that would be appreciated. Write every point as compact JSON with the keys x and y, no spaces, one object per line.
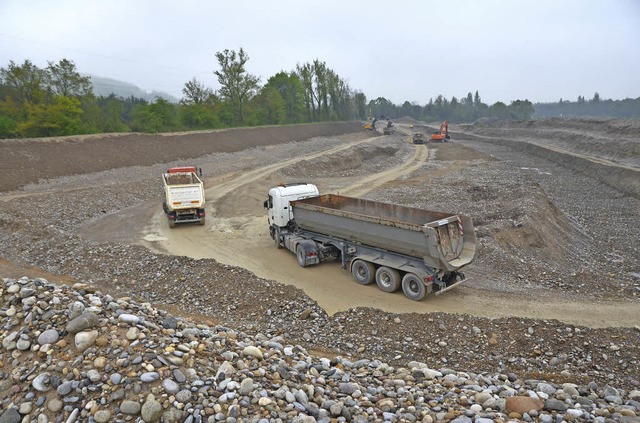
{"x":418,"y":138}
{"x":183,"y":195}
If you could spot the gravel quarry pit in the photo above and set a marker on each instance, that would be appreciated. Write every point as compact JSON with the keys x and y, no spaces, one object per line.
{"x":553,"y":294}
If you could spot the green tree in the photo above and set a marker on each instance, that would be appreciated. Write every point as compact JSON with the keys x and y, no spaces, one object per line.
{"x":305,"y":72}
{"x":341,"y":101}
{"x":144,"y":120}
{"x":24,"y":83}
{"x":290,"y":88}
{"x":158,"y":116}
{"x":476,"y":99}
{"x":111,"y":114}
{"x":321,"y":76}
{"x":167,"y":113}
{"x":269,"y":108}
{"x":10,"y":115}
{"x":499,"y":110}
{"x":237,"y":85}
{"x":405,"y":109}
{"x":521,"y":109}
{"x":382,"y":107}
{"x":8,"y":126}
{"x":326,"y":95}
{"x":61,"y":117}
{"x":91,"y":113}
{"x":198,"y":116}
{"x":469,"y":99}
{"x":195,"y":92}
{"x":360,"y":101}
{"x":63,"y":79}
{"x":129,"y":105}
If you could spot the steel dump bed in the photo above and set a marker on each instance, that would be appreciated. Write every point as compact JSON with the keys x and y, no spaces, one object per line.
{"x":442,"y":240}
{"x":183,"y":190}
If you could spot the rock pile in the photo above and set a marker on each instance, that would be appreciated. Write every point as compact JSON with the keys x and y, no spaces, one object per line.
{"x":74,"y":354}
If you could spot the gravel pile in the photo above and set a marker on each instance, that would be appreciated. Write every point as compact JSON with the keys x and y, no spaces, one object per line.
{"x":360,"y":160}
{"x":525,"y":241}
{"x":73,"y":353}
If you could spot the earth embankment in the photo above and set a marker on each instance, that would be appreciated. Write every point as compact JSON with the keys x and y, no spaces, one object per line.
{"x":30,"y":160}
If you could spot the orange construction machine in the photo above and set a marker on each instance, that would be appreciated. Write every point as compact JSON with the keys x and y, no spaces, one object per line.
{"x":443,"y":134}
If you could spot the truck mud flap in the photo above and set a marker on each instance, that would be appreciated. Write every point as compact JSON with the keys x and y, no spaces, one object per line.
{"x":451,"y":286}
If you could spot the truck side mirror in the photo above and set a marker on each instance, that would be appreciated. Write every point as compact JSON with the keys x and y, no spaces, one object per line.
{"x":266,"y":204}
{"x":200,"y":170}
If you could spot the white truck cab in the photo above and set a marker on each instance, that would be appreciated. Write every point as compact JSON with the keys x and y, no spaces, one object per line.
{"x":279,"y":198}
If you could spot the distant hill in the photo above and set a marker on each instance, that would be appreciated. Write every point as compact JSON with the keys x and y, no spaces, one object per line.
{"x":106,"y":86}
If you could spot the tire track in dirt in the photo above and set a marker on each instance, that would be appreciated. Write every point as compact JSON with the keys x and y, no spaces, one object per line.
{"x":242,"y":239}
{"x":220,"y":188}
{"x":371,"y":182}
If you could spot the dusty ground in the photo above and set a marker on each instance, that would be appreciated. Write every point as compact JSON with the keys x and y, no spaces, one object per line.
{"x":554,"y":288}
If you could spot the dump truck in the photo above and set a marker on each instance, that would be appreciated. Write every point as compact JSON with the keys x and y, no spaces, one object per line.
{"x":418,"y":138}
{"x":184,"y":195}
{"x":418,"y":250}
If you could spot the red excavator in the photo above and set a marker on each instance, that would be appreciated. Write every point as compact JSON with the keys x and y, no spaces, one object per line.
{"x":443,"y":134}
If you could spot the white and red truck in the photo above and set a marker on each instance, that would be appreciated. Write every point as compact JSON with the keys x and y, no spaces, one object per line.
{"x":183,"y":195}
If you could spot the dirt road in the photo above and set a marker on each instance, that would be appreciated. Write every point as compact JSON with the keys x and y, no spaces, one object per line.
{"x":237,"y":235}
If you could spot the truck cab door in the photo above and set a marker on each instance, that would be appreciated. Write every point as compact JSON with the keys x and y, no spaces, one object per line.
{"x":278,"y":215}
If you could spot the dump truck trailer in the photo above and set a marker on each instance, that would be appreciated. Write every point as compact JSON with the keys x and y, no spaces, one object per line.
{"x":418,"y":250}
{"x":184,"y":196}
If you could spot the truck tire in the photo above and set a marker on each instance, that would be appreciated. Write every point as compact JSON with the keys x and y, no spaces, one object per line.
{"x":276,"y":237}
{"x":413,"y":287}
{"x":201,"y":221}
{"x":172,"y":223}
{"x":300,"y":256}
{"x":363,"y":272}
{"x":388,"y":279}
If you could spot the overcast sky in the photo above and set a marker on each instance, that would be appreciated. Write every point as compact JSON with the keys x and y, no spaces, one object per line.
{"x":541,"y":50}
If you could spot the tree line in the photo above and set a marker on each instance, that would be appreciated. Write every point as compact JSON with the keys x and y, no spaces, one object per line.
{"x":596,"y":106}
{"x":464,"y":110}
{"x":57,"y":100}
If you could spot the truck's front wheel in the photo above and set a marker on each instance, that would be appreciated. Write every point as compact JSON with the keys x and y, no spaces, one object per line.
{"x":363,"y":272}
{"x":413,"y":287}
{"x":388,"y":279}
{"x":172,"y":223}
{"x":276,"y":236}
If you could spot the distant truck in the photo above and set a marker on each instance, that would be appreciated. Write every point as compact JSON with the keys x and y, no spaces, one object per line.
{"x":395,"y":246}
{"x":184,"y":195}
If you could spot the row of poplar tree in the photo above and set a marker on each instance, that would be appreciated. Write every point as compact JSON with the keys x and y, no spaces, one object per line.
{"x":57,"y":100}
